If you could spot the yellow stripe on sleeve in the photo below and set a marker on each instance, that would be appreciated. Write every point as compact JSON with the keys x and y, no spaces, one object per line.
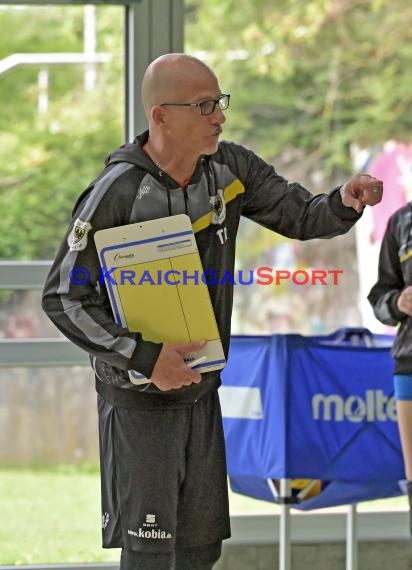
{"x":229,"y":194}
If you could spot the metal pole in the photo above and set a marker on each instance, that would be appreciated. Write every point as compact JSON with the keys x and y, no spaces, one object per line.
{"x":285,"y":553}
{"x":89,"y":40}
{"x":352,"y":538}
{"x":152,"y":28}
{"x":352,"y":515}
{"x":43,"y":96}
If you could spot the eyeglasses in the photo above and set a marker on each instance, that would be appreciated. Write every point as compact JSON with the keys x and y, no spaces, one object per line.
{"x":206,"y":107}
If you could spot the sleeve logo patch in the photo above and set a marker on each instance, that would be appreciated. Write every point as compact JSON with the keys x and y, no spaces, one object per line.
{"x":77,"y":240}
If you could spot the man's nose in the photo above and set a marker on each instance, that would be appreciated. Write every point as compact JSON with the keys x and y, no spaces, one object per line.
{"x":218,"y":116}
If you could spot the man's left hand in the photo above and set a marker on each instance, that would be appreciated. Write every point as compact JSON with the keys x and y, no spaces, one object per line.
{"x":360,"y":191}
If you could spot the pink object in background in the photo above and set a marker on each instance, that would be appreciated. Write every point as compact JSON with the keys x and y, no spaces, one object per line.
{"x":394,"y":167}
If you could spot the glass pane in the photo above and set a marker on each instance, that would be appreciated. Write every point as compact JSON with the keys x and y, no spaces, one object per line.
{"x":281,"y":83}
{"x":62,"y":101}
{"x":21,"y":316}
{"x":61,"y":95}
{"x":277,"y":95}
{"x":49,"y":477}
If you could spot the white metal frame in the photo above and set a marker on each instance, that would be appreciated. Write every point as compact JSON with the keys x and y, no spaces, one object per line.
{"x":285,"y":531}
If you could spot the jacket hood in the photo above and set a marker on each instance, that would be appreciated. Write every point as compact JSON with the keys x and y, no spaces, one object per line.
{"x":132,"y":153}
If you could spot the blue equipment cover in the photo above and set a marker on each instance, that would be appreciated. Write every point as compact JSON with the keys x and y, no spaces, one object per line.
{"x":318,"y":408}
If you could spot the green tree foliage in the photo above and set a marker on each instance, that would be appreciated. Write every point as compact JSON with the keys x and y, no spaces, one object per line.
{"x":49,"y":158}
{"x":316,"y":75}
{"x":308,"y":79}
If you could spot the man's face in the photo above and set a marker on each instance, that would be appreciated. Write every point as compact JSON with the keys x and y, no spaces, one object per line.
{"x":189,"y":130}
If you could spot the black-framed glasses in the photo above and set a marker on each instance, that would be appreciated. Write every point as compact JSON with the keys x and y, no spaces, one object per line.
{"x":205,"y":107}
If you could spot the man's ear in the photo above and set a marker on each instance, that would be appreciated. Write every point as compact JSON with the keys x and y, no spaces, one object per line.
{"x":158,"y":115}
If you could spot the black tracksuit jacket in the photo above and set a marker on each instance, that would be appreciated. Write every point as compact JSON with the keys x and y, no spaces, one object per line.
{"x":394,"y":274}
{"x":231,"y":183}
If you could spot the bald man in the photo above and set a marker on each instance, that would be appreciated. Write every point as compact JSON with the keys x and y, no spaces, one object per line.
{"x":163,"y":470}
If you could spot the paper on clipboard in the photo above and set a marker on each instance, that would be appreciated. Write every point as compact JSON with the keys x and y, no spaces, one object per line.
{"x":153,"y":273}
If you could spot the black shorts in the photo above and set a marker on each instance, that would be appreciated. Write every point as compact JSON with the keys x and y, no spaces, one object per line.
{"x":163,"y":476}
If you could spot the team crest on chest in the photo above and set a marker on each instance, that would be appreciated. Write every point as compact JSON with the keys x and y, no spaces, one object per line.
{"x":219,"y":208}
{"x":77,"y":240}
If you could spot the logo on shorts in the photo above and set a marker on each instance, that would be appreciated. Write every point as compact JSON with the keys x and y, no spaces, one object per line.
{"x":149,"y":529}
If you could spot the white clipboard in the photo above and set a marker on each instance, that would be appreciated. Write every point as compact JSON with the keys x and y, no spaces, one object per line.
{"x":153,"y":273}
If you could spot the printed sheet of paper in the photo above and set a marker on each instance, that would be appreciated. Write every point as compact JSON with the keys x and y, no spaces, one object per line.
{"x":153,"y":275}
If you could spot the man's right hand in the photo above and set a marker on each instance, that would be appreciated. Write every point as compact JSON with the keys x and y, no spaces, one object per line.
{"x":405,"y":301}
{"x":170,"y":371}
